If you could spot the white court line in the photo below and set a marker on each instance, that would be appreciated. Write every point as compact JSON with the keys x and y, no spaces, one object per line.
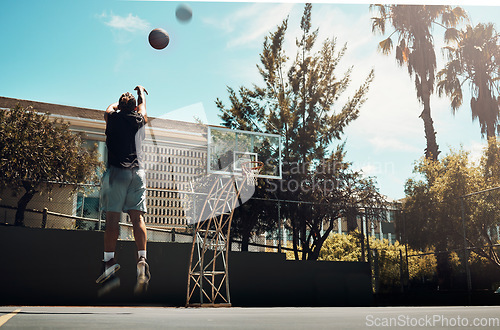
{"x":5,"y":318}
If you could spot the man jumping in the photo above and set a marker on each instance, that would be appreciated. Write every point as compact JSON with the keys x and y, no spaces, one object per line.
{"x":123,"y":187}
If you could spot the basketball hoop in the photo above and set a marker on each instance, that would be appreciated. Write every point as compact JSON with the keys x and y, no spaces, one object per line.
{"x":251,"y":170}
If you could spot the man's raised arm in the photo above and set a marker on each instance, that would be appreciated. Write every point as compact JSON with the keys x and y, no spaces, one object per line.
{"x":141,"y":101}
{"x":112,"y":108}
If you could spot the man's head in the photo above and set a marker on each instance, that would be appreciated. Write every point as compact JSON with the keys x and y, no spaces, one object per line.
{"x":127,"y":102}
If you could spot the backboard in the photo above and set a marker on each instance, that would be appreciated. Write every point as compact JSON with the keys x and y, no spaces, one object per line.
{"x":228,"y":149}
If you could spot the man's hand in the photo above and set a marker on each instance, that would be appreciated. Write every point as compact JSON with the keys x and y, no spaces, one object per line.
{"x":139,"y":88}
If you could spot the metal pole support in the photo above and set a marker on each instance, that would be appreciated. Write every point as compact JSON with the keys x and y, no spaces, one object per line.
{"x":44,"y":217}
{"x":466,"y":253}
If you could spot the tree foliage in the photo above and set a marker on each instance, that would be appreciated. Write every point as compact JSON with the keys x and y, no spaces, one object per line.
{"x":415,"y":49}
{"x":299,"y":102}
{"x":447,"y":193}
{"x":36,"y":151}
{"x":474,"y":57}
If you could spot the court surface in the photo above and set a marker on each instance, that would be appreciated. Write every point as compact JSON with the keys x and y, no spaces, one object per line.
{"x":34,"y":317}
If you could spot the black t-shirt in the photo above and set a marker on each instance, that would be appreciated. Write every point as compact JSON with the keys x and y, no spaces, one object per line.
{"x":124,"y":137}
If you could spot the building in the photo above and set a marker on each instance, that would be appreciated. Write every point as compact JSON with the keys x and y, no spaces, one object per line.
{"x":174,"y":153}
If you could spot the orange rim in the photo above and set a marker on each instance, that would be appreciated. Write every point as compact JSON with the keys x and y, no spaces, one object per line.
{"x":257,"y":166}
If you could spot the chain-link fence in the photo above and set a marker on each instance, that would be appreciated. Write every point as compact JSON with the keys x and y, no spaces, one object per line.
{"x":456,"y":244}
{"x":77,"y":207}
{"x":258,"y":225}
{"x":480,"y":225}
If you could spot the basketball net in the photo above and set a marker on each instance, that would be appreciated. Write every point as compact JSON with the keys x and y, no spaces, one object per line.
{"x":251,"y":170}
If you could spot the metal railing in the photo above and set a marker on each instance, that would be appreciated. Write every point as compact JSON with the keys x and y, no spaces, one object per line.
{"x":154,"y":234}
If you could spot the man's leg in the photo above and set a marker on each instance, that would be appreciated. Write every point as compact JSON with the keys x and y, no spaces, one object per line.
{"x":140,"y":232}
{"x":140,"y":236}
{"x":112,"y":231}
{"x":110,"y":267}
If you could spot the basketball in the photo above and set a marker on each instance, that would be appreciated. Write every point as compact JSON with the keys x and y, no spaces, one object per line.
{"x":158,"y":38}
{"x":183,"y":13}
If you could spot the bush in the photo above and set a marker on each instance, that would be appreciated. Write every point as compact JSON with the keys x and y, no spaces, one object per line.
{"x":387,"y":257}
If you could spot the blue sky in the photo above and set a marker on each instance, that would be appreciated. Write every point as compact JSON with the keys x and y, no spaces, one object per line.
{"x":86,"y":53}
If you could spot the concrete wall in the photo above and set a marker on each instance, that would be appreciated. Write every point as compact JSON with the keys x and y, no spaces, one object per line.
{"x":54,"y":266}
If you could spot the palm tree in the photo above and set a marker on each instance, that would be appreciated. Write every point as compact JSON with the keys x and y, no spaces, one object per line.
{"x":474,"y":57}
{"x":415,"y":50}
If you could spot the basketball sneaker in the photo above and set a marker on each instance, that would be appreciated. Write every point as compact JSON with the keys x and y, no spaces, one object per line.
{"x":143,"y":276}
{"x":109,"y":268}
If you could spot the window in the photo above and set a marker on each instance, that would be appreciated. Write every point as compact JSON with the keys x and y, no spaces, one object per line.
{"x":87,"y":206}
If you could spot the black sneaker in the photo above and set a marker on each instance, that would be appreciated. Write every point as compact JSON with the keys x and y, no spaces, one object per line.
{"x":143,"y":276}
{"x":109,"y":268}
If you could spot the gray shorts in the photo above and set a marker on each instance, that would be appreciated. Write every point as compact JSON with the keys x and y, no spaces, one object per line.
{"x":123,"y":190}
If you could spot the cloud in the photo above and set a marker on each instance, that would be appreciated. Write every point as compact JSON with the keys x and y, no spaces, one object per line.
{"x":129,"y":23}
{"x":194,"y":113}
{"x":391,"y":113}
{"x":391,"y":143}
{"x":389,"y":120}
{"x":251,"y":23}
{"x":124,"y":28}
{"x":476,"y":149}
